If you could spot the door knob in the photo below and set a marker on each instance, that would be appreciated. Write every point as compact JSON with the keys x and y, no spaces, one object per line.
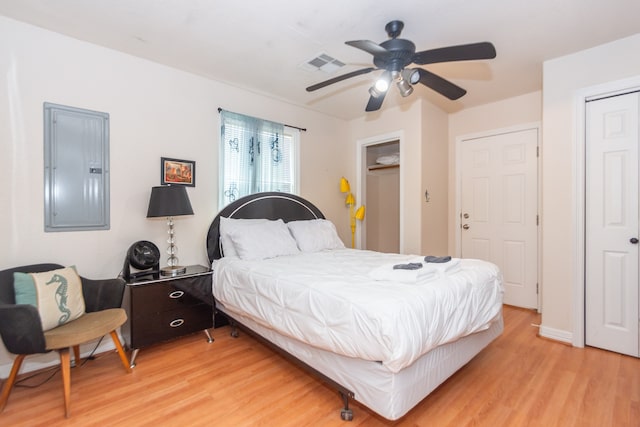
{"x":466,"y":216}
{"x":466,"y":226}
{"x":634,"y":240}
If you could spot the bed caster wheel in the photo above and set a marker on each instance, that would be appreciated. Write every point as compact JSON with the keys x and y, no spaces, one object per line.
{"x":346,"y":415}
{"x":234,"y":333}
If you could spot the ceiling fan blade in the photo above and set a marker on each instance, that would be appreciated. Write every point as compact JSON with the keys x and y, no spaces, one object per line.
{"x":339,"y":79}
{"x":368,"y":46}
{"x":440,"y":85}
{"x":375,"y":102}
{"x":465,"y":52}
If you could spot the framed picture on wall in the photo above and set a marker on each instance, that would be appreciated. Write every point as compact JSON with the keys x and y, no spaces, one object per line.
{"x":176,"y":171}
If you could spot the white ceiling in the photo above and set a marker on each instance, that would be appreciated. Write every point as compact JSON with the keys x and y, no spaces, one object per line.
{"x":260,"y":45}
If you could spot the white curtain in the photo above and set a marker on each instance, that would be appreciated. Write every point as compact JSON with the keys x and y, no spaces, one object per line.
{"x":254,"y":157}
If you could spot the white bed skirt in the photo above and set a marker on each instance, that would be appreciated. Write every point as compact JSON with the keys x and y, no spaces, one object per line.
{"x":389,"y":394}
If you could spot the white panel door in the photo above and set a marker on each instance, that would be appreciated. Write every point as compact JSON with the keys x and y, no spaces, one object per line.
{"x":499,"y":199}
{"x":611,"y":294}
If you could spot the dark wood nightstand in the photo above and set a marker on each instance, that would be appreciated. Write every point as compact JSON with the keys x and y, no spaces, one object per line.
{"x":161,"y":308}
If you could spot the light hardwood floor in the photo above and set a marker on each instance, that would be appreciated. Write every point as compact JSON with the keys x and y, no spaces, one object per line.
{"x":519,"y":380}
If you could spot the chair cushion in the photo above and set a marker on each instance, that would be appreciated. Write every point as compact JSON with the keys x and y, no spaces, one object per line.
{"x":87,"y":327}
{"x":57,"y":294}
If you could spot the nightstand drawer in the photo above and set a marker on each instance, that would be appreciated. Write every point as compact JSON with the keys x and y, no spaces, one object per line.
{"x":163,"y":296}
{"x":171,"y":324}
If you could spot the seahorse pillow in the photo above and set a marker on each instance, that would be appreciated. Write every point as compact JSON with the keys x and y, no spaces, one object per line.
{"x":57,"y":295}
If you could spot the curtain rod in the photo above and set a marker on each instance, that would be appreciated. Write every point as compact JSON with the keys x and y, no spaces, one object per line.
{"x":289,"y":126}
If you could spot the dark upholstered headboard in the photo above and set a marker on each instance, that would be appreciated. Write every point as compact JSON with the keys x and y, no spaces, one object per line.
{"x":272,"y":205}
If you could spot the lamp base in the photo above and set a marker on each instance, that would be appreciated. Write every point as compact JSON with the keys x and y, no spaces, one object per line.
{"x":172,"y":270}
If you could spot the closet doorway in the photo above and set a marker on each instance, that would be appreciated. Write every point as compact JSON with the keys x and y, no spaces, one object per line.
{"x":381,"y":190}
{"x":612,"y":224}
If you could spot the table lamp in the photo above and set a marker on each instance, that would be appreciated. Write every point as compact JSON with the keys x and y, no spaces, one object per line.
{"x":169,"y":201}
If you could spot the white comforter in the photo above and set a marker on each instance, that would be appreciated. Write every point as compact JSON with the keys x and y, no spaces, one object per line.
{"x":329,"y":300}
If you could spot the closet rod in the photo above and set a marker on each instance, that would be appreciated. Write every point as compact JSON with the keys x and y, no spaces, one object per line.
{"x":289,"y":126}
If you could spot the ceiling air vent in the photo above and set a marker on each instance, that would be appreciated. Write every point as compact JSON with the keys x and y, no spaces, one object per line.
{"x":323,"y":62}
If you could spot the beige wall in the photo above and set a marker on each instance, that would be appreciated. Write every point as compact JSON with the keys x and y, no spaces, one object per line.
{"x":407,"y":120}
{"x":154,"y":111}
{"x":435,"y":168}
{"x":523,"y":109}
{"x":563,"y":79}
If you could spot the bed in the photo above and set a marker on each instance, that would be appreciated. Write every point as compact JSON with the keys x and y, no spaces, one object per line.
{"x":383,"y":336}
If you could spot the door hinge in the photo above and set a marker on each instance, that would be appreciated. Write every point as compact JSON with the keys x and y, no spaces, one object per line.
{"x":537,"y":219}
{"x":537,"y":151}
{"x":537,"y":289}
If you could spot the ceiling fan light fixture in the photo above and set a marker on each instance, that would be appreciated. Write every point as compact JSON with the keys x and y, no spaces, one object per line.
{"x":412,"y":75}
{"x":379,"y":88}
{"x":373,"y":91}
{"x":382,"y":85}
{"x":404,"y":88}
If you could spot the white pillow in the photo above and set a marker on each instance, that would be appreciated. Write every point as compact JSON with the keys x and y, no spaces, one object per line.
{"x":315,"y":235}
{"x":263,"y":240}
{"x":228,"y":226}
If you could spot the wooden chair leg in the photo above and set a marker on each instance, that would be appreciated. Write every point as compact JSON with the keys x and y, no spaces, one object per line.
{"x":123,"y":356}
{"x":76,"y":355}
{"x":65,"y":367}
{"x":8,"y":385}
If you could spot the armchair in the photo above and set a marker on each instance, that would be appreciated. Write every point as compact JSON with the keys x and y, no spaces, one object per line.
{"x":22,"y":332}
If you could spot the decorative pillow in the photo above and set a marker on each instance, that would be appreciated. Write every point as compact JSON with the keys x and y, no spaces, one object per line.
{"x":263,"y":240}
{"x":57,"y":295}
{"x":315,"y":235}
{"x":228,"y":226}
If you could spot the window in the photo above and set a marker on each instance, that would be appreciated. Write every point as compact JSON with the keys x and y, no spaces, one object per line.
{"x":255,"y":156}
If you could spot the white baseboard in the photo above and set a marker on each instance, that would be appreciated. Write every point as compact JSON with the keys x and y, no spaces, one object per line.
{"x":556,"y":334}
{"x":41,"y":361}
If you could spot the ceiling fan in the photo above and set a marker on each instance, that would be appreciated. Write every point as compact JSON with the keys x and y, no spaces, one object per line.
{"x":394,"y":55}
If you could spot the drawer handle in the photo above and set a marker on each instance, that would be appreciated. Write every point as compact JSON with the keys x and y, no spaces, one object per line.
{"x":176,"y":294}
{"x":176,"y":323}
